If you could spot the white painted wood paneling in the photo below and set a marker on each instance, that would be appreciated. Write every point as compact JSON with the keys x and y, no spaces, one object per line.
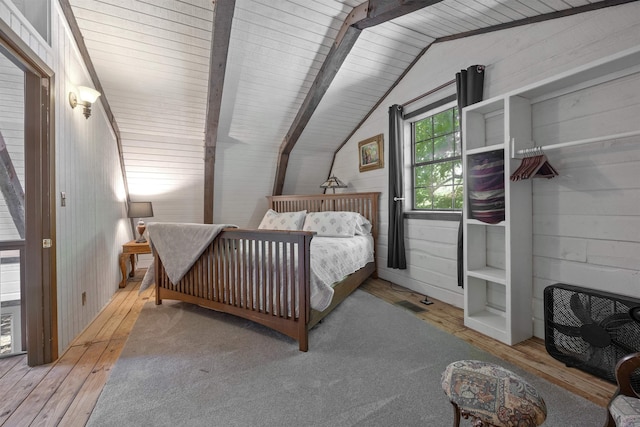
{"x":153,"y":57}
{"x":575,"y":223}
{"x":153,"y":62}
{"x":92,"y":227}
{"x":378,"y":59}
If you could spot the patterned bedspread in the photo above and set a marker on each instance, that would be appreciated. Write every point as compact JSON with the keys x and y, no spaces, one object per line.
{"x":333,"y":258}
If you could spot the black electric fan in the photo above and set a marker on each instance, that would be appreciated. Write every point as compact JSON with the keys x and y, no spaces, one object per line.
{"x":591,"y":330}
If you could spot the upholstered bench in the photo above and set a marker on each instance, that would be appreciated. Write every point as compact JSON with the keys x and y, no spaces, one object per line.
{"x":491,"y":395}
{"x":625,"y":410}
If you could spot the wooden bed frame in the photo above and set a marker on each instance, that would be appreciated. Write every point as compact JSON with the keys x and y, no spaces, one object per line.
{"x":239,"y":275}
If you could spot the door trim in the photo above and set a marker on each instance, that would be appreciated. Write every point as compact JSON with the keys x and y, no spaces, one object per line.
{"x":40,"y":202}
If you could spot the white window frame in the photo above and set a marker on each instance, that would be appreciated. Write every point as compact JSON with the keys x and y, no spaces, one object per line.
{"x":452,"y":215}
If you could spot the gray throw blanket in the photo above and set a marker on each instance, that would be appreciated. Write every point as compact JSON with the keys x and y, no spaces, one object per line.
{"x":179,"y":245}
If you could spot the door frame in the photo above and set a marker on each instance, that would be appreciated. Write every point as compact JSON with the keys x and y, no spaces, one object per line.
{"x":40,"y":297}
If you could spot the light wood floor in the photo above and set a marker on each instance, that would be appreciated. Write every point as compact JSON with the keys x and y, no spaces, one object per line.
{"x":65,"y":392}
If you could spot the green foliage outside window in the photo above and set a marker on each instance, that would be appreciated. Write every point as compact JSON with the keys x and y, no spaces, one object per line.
{"x":437,"y":162}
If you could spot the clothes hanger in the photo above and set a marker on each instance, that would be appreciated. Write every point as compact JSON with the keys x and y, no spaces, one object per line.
{"x":527,"y":163}
{"x":515,"y":176}
{"x":536,"y":165}
{"x":546,"y":171}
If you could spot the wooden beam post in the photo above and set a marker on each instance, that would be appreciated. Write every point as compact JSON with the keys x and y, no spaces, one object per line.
{"x":221,"y":32}
{"x":365,"y":15}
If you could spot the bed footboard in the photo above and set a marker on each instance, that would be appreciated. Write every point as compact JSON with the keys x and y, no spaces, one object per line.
{"x":259,"y":275}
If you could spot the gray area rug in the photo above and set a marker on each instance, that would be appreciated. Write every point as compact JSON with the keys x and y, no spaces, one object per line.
{"x":369,"y":363}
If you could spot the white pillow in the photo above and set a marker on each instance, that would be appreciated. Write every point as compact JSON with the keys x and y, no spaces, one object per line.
{"x":337,"y":224}
{"x":363,"y":226}
{"x":273,"y":220}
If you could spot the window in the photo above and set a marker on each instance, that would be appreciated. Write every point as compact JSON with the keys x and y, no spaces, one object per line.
{"x":437,"y":162}
{"x":38,"y":13}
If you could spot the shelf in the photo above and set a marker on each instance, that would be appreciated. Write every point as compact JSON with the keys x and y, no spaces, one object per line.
{"x":488,"y":322}
{"x":604,"y":69}
{"x":498,"y":258}
{"x":486,"y":149}
{"x":471,"y":221}
{"x":487,"y":106}
{"x":490,"y":274}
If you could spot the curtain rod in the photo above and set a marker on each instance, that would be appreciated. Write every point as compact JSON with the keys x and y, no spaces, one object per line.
{"x":442,"y":86}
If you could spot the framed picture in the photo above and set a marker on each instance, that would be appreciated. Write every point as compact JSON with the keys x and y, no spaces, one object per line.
{"x":370,"y":153}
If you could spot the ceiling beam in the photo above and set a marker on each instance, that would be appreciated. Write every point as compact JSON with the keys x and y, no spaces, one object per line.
{"x":367,"y":14}
{"x":221,"y":33}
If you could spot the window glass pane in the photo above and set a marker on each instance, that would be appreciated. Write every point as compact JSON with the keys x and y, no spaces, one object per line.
{"x":443,"y":123}
{"x":443,"y":197}
{"x":38,"y":14}
{"x":423,"y":198}
{"x":443,"y":147}
{"x":424,"y":151}
{"x":457,"y":202}
{"x":422,"y":130}
{"x":443,"y":173}
{"x":423,"y":176}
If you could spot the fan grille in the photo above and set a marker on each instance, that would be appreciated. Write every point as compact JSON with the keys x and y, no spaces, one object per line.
{"x":590,"y":330}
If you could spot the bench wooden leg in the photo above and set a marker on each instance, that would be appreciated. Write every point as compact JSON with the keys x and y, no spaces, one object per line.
{"x":456,"y":415}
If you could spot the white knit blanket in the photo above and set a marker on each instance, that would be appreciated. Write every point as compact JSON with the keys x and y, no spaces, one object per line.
{"x":180,"y":244}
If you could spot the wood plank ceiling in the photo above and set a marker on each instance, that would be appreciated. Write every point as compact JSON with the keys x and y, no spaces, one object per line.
{"x":152,"y":59}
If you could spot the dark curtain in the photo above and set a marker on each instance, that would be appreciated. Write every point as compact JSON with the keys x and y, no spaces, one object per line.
{"x":396,"y":254}
{"x":469,"y":86}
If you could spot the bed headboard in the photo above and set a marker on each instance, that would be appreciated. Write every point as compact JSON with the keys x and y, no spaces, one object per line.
{"x":366,"y":204}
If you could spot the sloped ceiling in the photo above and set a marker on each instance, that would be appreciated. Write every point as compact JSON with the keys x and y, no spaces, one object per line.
{"x":152,"y":60}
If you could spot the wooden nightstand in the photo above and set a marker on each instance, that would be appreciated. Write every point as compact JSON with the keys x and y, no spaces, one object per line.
{"x":131,"y":249}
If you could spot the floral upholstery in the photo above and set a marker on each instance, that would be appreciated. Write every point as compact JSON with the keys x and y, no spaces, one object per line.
{"x":625,"y":411}
{"x":493,"y":395}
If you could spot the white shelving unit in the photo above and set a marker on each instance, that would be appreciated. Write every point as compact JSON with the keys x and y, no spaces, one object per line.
{"x":498,"y":257}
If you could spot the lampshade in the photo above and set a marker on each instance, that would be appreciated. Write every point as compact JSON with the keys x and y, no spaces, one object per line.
{"x":333,"y":182}
{"x":140,"y":210}
{"x":87,"y":94}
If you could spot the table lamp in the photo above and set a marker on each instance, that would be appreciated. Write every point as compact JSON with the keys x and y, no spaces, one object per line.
{"x":333,"y":183}
{"x":140,"y":210}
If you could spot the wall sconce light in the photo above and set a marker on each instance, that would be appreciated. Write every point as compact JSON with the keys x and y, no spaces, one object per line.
{"x":85,"y":97}
{"x":333,"y":183}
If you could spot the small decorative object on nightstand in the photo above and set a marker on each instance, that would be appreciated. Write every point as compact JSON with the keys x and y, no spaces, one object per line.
{"x":140,"y":210}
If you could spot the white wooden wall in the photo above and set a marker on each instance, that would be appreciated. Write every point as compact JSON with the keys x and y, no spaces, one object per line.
{"x":586,"y":222}
{"x":92,"y":227}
